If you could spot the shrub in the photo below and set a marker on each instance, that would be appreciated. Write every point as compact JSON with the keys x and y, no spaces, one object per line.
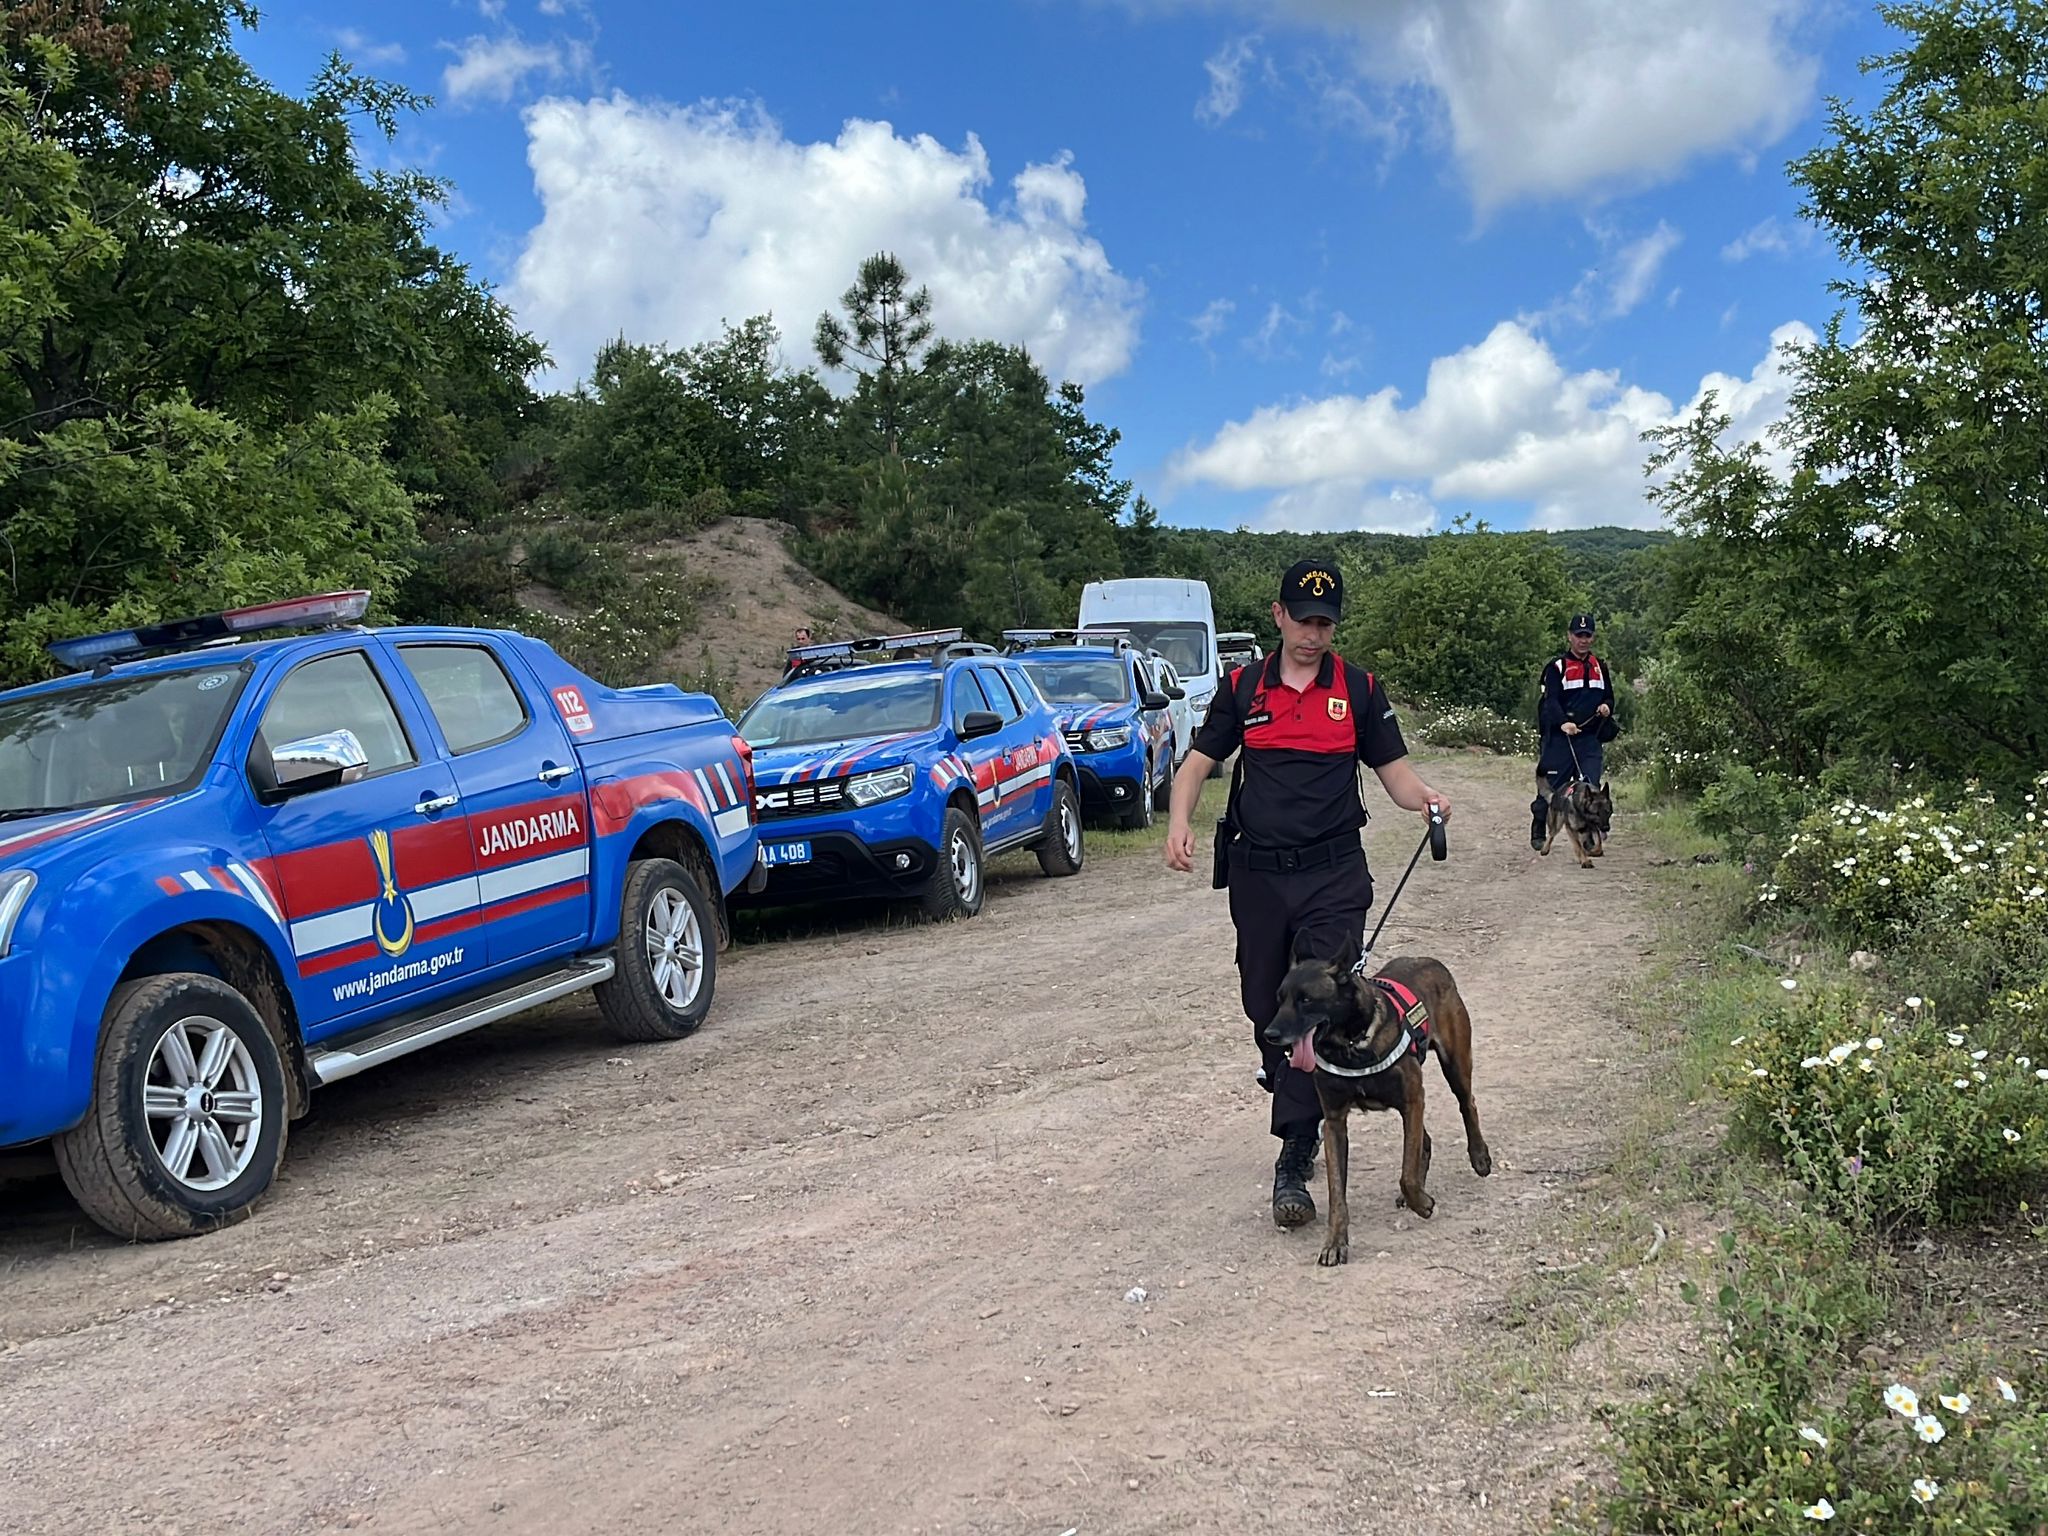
{"x":1474,"y":725}
{"x":1749,"y":1445}
{"x":1891,"y":1118}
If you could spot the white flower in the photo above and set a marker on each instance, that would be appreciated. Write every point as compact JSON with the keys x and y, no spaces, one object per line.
{"x":1738,"y":1040}
{"x":1808,"y":1432}
{"x":1759,"y":1072}
{"x":1978,"y":1055}
{"x":1979,"y":1077}
{"x":1901,"y":1400}
{"x":2024,"y":1062}
{"x":1912,"y":1002}
{"x":2041,"y":1073}
{"x":1925,"y":1488}
{"x":1954,"y":1038}
{"x":1962,"y":1082}
{"x":1867,"y":1064}
{"x":1960,"y":1403}
{"x":2010,"y":1135}
{"x":1842,"y":1053}
{"x":1884,"y":879}
{"x":1788,"y":984}
{"x":1814,"y":1061}
{"x":1821,"y":1511}
{"x":1874,"y":1043}
{"x":2005,"y":1389}
{"x":1928,"y":1428}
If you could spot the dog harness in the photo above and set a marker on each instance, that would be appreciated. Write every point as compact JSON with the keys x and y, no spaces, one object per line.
{"x":1414,"y":1031}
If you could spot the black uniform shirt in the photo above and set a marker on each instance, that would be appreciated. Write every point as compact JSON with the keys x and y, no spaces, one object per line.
{"x":1302,"y":750}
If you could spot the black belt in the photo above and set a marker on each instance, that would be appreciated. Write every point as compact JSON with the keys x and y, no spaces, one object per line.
{"x":1309,"y":856}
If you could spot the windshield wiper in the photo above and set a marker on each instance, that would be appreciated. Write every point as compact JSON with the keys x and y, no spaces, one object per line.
{"x":22,"y":813}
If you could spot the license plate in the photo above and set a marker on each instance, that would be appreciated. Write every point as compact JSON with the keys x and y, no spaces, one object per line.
{"x":773,"y":854}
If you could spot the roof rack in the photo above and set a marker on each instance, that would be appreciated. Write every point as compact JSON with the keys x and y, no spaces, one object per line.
{"x":325,"y":610}
{"x":1016,"y":640}
{"x":837,"y":655}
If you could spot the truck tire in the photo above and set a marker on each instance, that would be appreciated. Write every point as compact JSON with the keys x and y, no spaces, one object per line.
{"x":959,"y":880}
{"x":667,"y":956}
{"x":1139,"y":816}
{"x":188,"y":1119}
{"x":1060,"y":851}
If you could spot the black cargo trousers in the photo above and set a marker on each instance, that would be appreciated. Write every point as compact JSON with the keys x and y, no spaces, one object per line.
{"x":1317,"y":895}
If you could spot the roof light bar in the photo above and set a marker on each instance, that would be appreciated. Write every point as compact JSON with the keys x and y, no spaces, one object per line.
{"x":830,"y":648}
{"x":1020,"y":638}
{"x":325,"y":608}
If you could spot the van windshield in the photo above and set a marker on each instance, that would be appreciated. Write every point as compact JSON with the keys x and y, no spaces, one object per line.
{"x":1185,"y":645}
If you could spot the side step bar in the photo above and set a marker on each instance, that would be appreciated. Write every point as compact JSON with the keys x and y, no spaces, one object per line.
{"x":331,"y":1064}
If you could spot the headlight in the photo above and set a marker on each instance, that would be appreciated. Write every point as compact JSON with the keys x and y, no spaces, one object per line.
{"x":15,"y":886}
{"x":1109,"y":740}
{"x":883,"y":784}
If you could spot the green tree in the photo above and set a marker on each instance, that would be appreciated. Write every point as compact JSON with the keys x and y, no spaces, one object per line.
{"x":1472,"y":623}
{"x":887,"y":326}
{"x":1895,"y":583}
{"x":198,"y":278}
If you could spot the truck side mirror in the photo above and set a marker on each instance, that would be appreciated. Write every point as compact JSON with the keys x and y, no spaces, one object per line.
{"x":979,"y":722}
{"x":315,"y":762}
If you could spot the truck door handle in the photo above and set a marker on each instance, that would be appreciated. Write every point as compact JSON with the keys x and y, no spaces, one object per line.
{"x":438,"y":803}
{"x":553,"y":775}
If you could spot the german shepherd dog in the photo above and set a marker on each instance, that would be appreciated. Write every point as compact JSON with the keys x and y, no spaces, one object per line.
{"x":1585,"y":811}
{"x":1331,"y":1017}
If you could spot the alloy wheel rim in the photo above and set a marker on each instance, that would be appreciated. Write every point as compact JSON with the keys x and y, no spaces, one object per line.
{"x":675,"y":948}
{"x":203,"y":1103}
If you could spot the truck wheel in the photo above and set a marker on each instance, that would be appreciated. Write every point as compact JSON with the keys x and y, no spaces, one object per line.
{"x":1059,"y":851}
{"x":187,"y":1124}
{"x":667,"y":958}
{"x":1139,"y":816}
{"x":956,"y":885}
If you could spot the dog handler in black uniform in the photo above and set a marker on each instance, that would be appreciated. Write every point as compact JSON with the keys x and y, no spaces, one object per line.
{"x":1305,"y":718}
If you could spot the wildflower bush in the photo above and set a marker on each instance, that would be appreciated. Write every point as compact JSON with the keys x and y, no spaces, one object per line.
{"x":1474,"y":725}
{"x":1891,"y":1117}
{"x":1750,"y":1444}
{"x":1874,"y":874}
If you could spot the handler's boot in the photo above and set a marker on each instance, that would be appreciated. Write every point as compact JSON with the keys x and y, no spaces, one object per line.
{"x":1292,"y":1204}
{"x":1539,"y":826}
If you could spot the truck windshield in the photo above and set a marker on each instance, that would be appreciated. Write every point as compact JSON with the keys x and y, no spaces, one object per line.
{"x":105,"y":742}
{"x":842,"y":707}
{"x":1080,"y":681}
{"x":1185,"y":645}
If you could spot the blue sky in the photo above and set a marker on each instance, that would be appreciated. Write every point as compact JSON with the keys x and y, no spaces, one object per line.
{"x":1327,"y":264}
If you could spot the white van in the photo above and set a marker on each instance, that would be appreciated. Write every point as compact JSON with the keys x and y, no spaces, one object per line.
{"x":1167,"y":615}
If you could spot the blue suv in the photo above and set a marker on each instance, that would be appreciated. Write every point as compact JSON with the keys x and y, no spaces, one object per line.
{"x":894,"y":766}
{"x":1115,"y":716}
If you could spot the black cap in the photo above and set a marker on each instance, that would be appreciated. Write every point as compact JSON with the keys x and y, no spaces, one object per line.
{"x":1582,"y":624}
{"x":1313,"y":589}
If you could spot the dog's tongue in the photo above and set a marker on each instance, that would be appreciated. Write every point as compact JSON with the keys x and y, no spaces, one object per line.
{"x":1303,"y":1058}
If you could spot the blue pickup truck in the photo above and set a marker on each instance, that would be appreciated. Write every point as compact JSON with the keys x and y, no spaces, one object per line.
{"x":249,"y":853}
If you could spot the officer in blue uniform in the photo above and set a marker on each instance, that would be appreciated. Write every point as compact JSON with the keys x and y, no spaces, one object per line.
{"x":1301,"y":722}
{"x":1576,"y":718}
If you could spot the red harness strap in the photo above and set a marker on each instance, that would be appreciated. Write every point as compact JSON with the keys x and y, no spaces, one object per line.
{"x":1414,"y":1013}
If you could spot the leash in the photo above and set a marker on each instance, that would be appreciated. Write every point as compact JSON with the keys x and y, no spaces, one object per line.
{"x":1437,"y":840}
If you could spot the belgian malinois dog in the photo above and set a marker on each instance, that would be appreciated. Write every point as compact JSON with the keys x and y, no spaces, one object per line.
{"x":1585,"y":811}
{"x":1352,"y":1033}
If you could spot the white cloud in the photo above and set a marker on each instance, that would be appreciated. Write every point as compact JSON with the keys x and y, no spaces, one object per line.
{"x":361,"y":50}
{"x":493,"y":10}
{"x":661,"y":221}
{"x":1563,"y":96}
{"x":1616,"y":286}
{"x":1270,"y":339}
{"x":1772,"y":237}
{"x":1225,"y":69}
{"x":1636,"y":270}
{"x":1208,"y":325}
{"x":1347,"y":506}
{"x":495,"y":68}
{"x":1498,"y":422}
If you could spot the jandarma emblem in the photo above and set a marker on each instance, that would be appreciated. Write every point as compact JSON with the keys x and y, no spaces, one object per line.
{"x":392,"y":910}
{"x":1318,"y":582}
{"x":1339,"y":708}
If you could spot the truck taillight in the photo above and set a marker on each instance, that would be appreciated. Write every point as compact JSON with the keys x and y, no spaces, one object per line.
{"x":739,"y":745}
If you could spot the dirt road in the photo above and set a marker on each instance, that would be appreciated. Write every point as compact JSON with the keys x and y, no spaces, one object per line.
{"x":859,"y":1256}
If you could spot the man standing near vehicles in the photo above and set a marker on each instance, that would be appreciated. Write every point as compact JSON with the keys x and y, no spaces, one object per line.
{"x":1576,"y":718}
{"x":1302,"y":721}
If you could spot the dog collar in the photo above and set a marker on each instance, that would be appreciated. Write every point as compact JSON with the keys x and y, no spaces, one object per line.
{"x":1414,"y":1028}
{"x":1401,"y":1048}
